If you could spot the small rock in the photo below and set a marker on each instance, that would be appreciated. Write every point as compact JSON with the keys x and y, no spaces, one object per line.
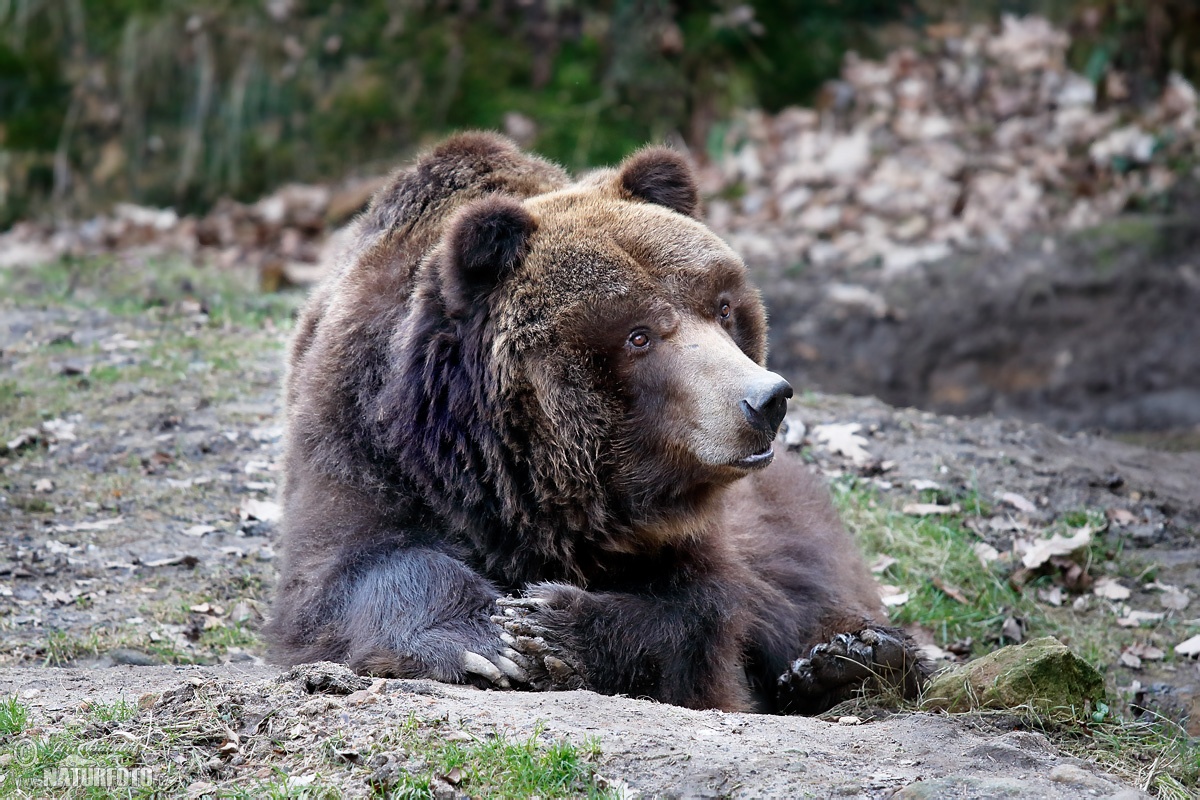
{"x":1127,"y":794}
{"x":1019,"y":749}
{"x":963,"y":786}
{"x":1042,"y":673}
{"x":1069,"y":773}
{"x":133,"y":658}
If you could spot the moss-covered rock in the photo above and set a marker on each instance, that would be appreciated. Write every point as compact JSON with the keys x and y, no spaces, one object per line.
{"x":1042,"y":674}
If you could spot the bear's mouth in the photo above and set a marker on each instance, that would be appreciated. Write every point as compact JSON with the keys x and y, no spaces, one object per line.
{"x":756,"y":461}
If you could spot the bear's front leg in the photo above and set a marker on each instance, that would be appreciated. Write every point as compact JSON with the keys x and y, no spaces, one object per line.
{"x":874,"y":659}
{"x":403,"y":613}
{"x":679,"y":646}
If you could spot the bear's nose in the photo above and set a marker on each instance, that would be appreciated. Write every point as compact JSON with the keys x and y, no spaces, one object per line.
{"x":765,"y":402}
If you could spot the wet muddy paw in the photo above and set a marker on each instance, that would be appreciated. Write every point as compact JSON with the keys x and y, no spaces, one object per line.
{"x":548,"y":663}
{"x":871,"y":660}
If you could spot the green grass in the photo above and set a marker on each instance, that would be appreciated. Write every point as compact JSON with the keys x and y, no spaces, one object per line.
{"x":14,"y":716}
{"x":936,"y":550}
{"x":117,"y":711}
{"x":175,"y":753}
{"x":33,"y":764}
{"x":1153,"y":753}
{"x":497,"y":766}
{"x":63,"y":649}
{"x":159,"y":286}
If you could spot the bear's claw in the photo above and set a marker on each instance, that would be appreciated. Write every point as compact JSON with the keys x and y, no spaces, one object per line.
{"x":548,"y":666}
{"x":476,"y":664}
{"x":874,"y":658}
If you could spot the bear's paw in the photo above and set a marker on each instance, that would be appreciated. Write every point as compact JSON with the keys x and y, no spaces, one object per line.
{"x":530,"y":630}
{"x":878,"y":659}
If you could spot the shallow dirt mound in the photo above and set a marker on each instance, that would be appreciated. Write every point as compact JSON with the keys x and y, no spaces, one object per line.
{"x":1095,"y":330}
{"x":213,"y":729}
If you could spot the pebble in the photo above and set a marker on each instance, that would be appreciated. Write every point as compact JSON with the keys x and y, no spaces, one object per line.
{"x":133,"y":658}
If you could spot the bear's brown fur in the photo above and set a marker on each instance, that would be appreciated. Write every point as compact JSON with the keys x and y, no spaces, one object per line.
{"x":516,"y":384}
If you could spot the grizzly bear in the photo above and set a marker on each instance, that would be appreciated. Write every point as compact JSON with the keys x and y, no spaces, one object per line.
{"x":530,"y":444}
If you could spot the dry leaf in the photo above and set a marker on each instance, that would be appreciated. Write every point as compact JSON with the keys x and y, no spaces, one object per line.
{"x":951,"y":591}
{"x":843,"y":439}
{"x":59,"y":429}
{"x":1189,"y":648}
{"x":1135,"y":619}
{"x":922,"y":485}
{"x":198,"y":530}
{"x":931,"y":652}
{"x":1110,"y":589}
{"x":23,"y":439}
{"x":1053,"y":596}
{"x":880,"y":564}
{"x":1042,"y":550}
{"x":985,"y":553}
{"x":207,"y":608}
{"x":892,"y":596}
{"x":98,"y":525}
{"x":1128,"y":659}
{"x":1172,"y":598}
{"x":1146,"y":652}
{"x":930,"y":509}
{"x":1013,"y":629}
{"x":245,"y":611}
{"x":264,"y":510}
{"x":1018,"y":502}
{"x":1073,"y":575}
{"x":1005,"y":524}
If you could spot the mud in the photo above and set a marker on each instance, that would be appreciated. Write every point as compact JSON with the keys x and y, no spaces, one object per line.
{"x":1096,"y":331}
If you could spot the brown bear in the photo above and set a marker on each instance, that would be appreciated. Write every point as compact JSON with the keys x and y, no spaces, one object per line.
{"x":513,"y":384}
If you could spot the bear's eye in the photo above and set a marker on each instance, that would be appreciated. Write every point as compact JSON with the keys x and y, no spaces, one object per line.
{"x":726,"y":310}
{"x":639,"y":340}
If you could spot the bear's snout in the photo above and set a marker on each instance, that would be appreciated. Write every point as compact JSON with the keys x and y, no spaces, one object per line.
{"x":765,"y":402}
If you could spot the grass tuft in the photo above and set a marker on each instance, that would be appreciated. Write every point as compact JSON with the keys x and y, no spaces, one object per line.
{"x":935,"y":561}
{"x":499,"y":767}
{"x":14,"y":716}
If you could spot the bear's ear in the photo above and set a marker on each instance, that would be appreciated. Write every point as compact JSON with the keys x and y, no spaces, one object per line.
{"x":487,"y":240}
{"x":662,"y":176}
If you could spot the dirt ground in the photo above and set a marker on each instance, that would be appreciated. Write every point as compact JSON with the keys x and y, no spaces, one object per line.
{"x":649,"y":750}
{"x":141,"y":434}
{"x":1095,"y":330}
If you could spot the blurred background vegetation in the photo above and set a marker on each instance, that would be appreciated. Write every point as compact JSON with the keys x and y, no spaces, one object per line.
{"x":180,"y":102}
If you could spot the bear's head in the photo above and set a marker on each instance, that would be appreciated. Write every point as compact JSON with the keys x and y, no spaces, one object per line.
{"x":614,"y":345}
